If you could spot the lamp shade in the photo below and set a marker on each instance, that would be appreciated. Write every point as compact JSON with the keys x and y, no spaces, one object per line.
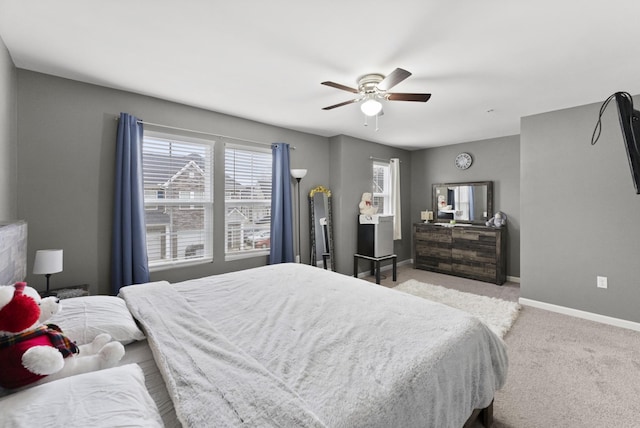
{"x":298,"y":173}
{"x":47,"y":262}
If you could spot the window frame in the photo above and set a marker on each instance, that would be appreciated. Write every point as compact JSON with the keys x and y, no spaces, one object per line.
{"x":205,"y":203}
{"x":385,"y":195}
{"x":230,"y":203}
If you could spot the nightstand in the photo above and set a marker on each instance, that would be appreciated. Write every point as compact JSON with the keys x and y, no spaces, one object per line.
{"x":68,"y":292}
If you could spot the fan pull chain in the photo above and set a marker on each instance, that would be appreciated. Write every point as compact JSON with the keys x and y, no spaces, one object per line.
{"x":367,"y":124}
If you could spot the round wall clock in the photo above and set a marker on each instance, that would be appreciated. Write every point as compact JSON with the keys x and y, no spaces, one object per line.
{"x":463,"y":160}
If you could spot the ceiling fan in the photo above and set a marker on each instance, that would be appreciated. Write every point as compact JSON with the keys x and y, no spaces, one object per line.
{"x":374,"y":87}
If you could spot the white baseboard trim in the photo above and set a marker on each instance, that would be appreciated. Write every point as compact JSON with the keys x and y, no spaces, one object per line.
{"x":513,"y":279}
{"x":617,"y":322}
{"x":403,"y":262}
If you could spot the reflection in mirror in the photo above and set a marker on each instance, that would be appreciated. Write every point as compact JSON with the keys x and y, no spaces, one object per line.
{"x":464,"y":202}
{"x":321,"y":225}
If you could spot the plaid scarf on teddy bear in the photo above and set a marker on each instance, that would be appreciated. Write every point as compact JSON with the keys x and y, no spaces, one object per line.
{"x":58,"y":340}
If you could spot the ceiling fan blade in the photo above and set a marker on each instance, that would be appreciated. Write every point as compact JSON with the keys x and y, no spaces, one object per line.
{"x":397,"y":96}
{"x":396,"y":76}
{"x":341,"y":104}
{"x":339,"y":86}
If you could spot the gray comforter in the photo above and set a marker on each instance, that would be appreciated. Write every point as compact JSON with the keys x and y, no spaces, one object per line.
{"x":293,"y":345}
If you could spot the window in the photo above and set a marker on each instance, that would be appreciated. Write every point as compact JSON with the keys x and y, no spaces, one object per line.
{"x":247,"y":201}
{"x":382,"y":187}
{"x":178,"y":199}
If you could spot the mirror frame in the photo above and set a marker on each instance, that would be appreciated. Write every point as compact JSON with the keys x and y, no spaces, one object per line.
{"x":490,"y":213}
{"x":312,"y":227}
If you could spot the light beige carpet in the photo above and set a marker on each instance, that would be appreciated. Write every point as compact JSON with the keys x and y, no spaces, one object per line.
{"x":499,"y":315}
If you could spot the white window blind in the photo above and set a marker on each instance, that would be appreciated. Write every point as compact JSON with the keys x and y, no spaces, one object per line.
{"x":382,"y":187}
{"x":247,"y":200}
{"x":178,"y":198}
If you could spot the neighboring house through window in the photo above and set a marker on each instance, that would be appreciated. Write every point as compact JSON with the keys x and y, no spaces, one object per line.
{"x":247,"y":200}
{"x":178,"y":197}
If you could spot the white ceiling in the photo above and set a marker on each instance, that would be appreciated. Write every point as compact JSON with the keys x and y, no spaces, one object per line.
{"x":486,"y":63}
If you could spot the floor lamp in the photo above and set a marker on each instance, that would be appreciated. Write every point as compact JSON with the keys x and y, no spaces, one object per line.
{"x":298,"y":174}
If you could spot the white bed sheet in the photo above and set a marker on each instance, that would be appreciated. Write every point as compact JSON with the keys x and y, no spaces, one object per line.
{"x":358,"y":354}
{"x":135,"y":353}
{"x":114,"y":397}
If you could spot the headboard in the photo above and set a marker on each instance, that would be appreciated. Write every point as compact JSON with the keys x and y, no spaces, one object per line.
{"x":13,"y":252}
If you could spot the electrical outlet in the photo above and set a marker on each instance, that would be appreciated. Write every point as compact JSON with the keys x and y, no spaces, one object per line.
{"x":602,"y":281}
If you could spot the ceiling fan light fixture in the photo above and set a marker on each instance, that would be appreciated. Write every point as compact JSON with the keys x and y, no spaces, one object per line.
{"x":371,"y":107}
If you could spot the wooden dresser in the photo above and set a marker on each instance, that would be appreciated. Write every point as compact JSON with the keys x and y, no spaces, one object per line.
{"x":475,"y":252}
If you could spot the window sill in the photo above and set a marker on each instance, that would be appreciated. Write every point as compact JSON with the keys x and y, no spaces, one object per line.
{"x":180,"y":264}
{"x":240,"y":256}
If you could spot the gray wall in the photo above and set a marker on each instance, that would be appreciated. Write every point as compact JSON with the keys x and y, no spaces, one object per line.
{"x":65,"y":182}
{"x":496,"y":160}
{"x":66,"y":151}
{"x":351,"y":176}
{"x":580,"y":213}
{"x":8,"y":136}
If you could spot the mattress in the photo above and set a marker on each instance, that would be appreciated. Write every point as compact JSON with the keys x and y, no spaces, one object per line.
{"x":139,"y":353}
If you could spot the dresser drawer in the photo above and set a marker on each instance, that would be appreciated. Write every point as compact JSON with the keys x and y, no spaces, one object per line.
{"x":434,"y":265}
{"x":433,"y":234}
{"x":433,"y":249}
{"x":475,"y":270}
{"x":433,"y":256}
{"x":472,"y":237}
{"x":479,"y":255}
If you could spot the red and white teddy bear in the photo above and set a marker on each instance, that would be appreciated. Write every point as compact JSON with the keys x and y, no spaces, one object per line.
{"x":31,"y":351}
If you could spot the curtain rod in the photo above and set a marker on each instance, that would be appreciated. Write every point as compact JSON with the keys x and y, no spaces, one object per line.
{"x":383,"y":160}
{"x":204,"y":133}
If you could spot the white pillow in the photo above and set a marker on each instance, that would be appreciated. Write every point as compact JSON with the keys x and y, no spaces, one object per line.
{"x":105,"y":398}
{"x":83,"y":318}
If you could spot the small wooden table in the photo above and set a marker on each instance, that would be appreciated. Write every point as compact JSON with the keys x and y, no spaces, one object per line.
{"x":375,"y":264}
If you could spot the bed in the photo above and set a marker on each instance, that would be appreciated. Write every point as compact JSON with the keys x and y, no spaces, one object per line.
{"x":283,"y":345}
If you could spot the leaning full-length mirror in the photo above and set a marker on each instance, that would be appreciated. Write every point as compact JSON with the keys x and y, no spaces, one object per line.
{"x":321,"y":225}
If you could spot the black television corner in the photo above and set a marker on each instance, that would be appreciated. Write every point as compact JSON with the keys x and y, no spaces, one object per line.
{"x":630,"y":126}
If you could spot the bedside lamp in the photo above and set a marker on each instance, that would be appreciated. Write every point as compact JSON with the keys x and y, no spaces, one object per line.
{"x":47,"y":262}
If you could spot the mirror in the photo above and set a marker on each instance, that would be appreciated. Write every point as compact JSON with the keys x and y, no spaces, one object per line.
{"x":321,"y":225}
{"x":463,"y":202}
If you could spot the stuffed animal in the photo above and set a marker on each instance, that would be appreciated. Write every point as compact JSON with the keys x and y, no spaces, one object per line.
{"x":31,"y":351}
{"x":498,"y":220}
{"x":366,"y":206}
